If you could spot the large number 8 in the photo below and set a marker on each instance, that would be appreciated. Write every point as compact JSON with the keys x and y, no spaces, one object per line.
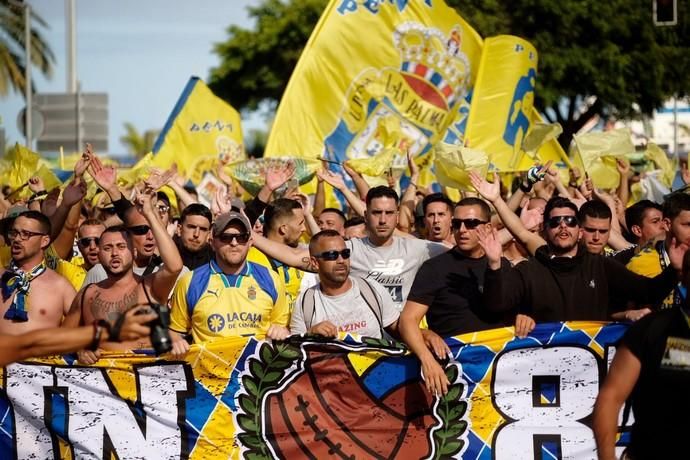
{"x":544,"y":393}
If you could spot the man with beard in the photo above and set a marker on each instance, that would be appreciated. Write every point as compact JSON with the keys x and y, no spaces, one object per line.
{"x":123,"y":289}
{"x":192,"y":235}
{"x":563,"y":281}
{"x":283,"y":223}
{"x":438,"y":211}
{"x":33,"y":296}
{"x":341,"y":302}
{"x":230,"y":296}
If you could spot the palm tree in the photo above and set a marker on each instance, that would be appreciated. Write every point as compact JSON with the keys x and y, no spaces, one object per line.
{"x":138,"y":144}
{"x":12,"y":43}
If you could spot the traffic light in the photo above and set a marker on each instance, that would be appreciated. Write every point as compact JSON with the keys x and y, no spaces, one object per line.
{"x":665,"y":12}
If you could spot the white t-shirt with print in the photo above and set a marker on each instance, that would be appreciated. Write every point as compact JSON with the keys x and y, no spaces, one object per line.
{"x":349,"y":312}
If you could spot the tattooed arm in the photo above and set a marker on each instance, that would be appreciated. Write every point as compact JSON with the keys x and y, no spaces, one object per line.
{"x":294,"y":257}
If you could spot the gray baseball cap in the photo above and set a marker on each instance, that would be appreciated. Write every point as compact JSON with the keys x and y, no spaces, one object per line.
{"x":224,"y":220}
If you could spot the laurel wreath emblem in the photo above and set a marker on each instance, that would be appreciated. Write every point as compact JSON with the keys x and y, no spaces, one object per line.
{"x":264,"y":375}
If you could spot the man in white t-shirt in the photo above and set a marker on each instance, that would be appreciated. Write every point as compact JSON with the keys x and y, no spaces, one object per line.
{"x":341,"y":302}
{"x":390,"y":260}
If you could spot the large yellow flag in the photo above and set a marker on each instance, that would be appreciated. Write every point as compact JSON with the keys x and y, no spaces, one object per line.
{"x":453,"y":164}
{"x":200,"y":129}
{"x":20,"y":164}
{"x":366,"y":62}
{"x":502,"y":100}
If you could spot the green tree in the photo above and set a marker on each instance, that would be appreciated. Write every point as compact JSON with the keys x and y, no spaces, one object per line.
{"x":138,"y":144}
{"x":596,"y":58}
{"x":12,"y":45}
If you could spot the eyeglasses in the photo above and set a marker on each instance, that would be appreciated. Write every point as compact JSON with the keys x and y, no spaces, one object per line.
{"x":162,"y":208}
{"x":23,"y":234}
{"x":470,"y":224}
{"x":555,"y":221}
{"x":86,"y":241}
{"x":139,"y":230}
{"x":333,"y":255}
{"x":227,"y":238}
{"x":601,"y":231}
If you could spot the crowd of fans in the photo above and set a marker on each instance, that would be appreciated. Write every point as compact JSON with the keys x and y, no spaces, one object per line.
{"x":416,"y":267}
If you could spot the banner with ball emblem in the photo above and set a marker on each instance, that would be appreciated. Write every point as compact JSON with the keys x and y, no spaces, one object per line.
{"x":310,"y":397}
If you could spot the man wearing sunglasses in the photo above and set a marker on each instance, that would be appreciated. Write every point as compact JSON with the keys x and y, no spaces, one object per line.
{"x":88,"y":237}
{"x":341,"y":302}
{"x":230,"y":296}
{"x":146,"y":261}
{"x":448,"y":290}
{"x":33,"y":296}
{"x":562,"y":282}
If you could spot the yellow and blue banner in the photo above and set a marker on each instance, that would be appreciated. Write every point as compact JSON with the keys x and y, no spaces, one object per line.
{"x":201,"y":129}
{"x":312,"y":398}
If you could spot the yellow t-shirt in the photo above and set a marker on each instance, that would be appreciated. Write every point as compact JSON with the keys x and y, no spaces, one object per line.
{"x":292,"y":277}
{"x":224,"y":305}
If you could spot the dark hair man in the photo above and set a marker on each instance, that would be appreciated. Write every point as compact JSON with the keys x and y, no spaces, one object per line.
{"x":33,"y":296}
{"x":594,"y":217}
{"x":341,"y":302}
{"x":653,"y":259}
{"x":448,"y":290}
{"x":438,"y":212}
{"x":332,"y":218}
{"x":355,"y":227}
{"x":562,"y":282}
{"x":390,"y":260}
{"x":192,"y":235}
{"x":123,"y":289}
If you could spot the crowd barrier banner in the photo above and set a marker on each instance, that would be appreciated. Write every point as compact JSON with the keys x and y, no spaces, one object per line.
{"x":200,"y":129}
{"x":509,"y":398}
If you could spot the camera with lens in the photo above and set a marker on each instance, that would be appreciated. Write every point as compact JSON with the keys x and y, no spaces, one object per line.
{"x":160,"y":336}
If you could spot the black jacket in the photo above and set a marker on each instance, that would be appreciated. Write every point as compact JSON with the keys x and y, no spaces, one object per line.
{"x":576,"y":288}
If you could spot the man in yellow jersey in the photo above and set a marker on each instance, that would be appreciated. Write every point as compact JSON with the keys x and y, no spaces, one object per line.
{"x":283,"y":223}
{"x":230,"y":296}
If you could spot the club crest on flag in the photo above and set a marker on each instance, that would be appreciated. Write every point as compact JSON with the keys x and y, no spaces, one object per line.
{"x":422,"y":93}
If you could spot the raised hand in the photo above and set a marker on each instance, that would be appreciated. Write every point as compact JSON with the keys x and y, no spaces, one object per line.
{"x":490,"y":191}
{"x":104,"y":176}
{"x":278,"y":175}
{"x":74,"y":192}
{"x":222,"y":202}
{"x":331,"y":178}
{"x":158,"y":178}
{"x":84,"y":161}
{"x":623,"y":167}
{"x":414,"y":168}
{"x":488,"y":240}
{"x":676,"y":252}
{"x":36,"y":184}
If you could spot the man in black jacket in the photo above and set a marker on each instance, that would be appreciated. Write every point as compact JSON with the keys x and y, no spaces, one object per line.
{"x":562,"y":282}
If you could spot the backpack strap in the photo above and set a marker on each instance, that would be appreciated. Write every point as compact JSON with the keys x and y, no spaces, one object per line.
{"x":370,"y":297}
{"x":308,"y":307}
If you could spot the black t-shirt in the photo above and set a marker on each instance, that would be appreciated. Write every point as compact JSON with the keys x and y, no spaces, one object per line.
{"x":661,"y":390}
{"x":451,"y":285}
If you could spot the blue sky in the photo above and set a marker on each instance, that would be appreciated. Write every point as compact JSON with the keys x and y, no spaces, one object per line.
{"x":141,"y":52}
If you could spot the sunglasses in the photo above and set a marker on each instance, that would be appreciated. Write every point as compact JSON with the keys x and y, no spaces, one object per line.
{"x":470,"y":224}
{"x":139,"y":230}
{"x":227,"y":238}
{"x":555,"y":221}
{"x":333,"y":255}
{"x":110,"y":210}
{"x":163,"y":208}
{"x":86,"y":241}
